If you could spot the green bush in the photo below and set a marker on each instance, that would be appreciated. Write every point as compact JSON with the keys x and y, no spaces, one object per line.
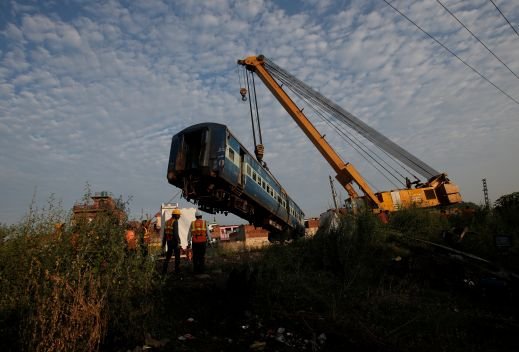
{"x":72,"y":289}
{"x":419,"y":223}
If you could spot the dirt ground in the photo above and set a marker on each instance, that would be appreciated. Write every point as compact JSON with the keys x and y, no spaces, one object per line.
{"x":214,"y":311}
{"x":221,"y":310}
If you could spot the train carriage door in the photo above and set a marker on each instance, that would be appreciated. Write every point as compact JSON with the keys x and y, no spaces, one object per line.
{"x":242,"y":171}
{"x":196,"y":149}
{"x":284,"y":202}
{"x":205,"y":143}
{"x":180,"y":157}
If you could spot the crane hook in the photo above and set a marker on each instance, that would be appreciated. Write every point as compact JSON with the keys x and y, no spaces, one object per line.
{"x":243,"y":92}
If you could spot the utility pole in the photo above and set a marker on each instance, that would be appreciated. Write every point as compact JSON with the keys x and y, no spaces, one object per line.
{"x":334,"y":194}
{"x":485,"y":192}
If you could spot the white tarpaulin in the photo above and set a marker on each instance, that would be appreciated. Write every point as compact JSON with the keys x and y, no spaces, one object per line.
{"x":187,"y":216}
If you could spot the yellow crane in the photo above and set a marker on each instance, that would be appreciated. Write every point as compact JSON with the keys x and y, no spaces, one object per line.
{"x":437,"y":191}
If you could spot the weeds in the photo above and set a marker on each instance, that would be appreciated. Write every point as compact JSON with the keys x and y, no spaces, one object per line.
{"x":368,"y":281}
{"x":75,"y":288}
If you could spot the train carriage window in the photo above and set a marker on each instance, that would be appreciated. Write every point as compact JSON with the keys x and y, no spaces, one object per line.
{"x":248,"y":170}
{"x":231,"y":154}
{"x":263,"y":184}
{"x":259,"y":180}
{"x":254,"y":176}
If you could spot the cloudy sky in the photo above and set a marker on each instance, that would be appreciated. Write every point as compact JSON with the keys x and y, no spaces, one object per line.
{"x":92,"y":91}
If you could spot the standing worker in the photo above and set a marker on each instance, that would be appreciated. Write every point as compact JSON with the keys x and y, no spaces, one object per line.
{"x":144,"y":237}
{"x":131,"y":239}
{"x":172,"y":239}
{"x":199,"y":235}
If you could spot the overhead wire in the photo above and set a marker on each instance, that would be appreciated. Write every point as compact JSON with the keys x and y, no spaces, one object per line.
{"x":451,"y":52}
{"x":479,"y":40}
{"x":506,"y":19}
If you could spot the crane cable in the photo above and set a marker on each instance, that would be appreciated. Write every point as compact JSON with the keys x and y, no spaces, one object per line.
{"x":356,"y":145}
{"x":257,"y":110}
{"x":250,"y":107}
{"x":353,"y":141}
{"x":352,"y":121}
{"x":259,"y":149}
{"x":361,"y":148}
{"x":345,"y":136}
{"x":356,"y":125}
{"x":286,"y":79}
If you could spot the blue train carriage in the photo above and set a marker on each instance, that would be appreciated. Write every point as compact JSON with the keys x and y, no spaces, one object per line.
{"x":215,"y":171}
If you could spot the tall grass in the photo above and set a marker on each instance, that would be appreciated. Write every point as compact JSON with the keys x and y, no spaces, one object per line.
{"x":371,"y":284}
{"x":72,"y":289}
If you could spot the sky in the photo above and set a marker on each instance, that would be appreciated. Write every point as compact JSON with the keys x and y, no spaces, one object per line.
{"x":91,"y":92}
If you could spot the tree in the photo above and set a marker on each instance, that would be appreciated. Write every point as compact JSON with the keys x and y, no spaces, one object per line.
{"x":507,"y":208}
{"x":508,"y":201}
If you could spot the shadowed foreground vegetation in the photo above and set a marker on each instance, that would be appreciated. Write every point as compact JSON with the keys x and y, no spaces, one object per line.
{"x":361,"y":286}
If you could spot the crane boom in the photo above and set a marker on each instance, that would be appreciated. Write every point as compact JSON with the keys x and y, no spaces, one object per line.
{"x":346,"y":172}
{"x":437,"y":191}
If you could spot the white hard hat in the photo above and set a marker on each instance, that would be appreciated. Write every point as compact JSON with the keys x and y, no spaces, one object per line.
{"x":198,"y":214}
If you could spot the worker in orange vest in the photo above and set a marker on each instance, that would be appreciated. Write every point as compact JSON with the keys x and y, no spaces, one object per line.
{"x":172,"y":239}
{"x":131,"y":239}
{"x":198,"y":236}
{"x":144,"y":237}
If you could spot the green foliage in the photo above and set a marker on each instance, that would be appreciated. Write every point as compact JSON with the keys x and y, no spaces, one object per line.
{"x":507,"y":201}
{"x":419,"y":223}
{"x":507,"y":208}
{"x":348,"y":243}
{"x":379,"y":288}
{"x":71,"y":288}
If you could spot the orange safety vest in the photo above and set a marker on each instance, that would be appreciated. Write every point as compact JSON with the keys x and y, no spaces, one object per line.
{"x":131,"y":240}
{"x":199,"y":231}
{"x":168,"y":230}
{"x":146,"y":236}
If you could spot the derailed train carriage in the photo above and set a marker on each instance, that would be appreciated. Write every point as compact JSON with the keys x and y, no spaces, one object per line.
{"x":216,"y":172}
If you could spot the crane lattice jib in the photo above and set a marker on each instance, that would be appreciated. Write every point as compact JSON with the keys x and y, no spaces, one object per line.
{"x":346,"y":172}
